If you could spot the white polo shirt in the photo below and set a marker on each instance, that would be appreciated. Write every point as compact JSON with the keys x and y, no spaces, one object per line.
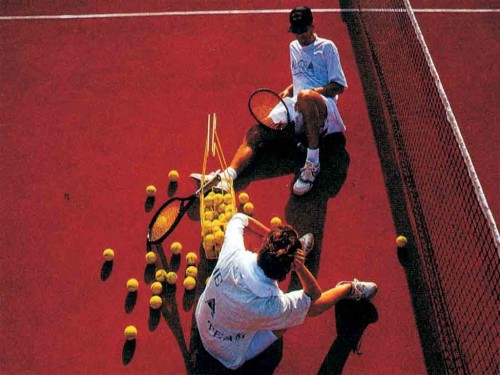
{"x":315,"y":65}
{"x":241,"y":306}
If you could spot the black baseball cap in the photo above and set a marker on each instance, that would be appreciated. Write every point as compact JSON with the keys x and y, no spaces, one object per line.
{"x":300,"y":18}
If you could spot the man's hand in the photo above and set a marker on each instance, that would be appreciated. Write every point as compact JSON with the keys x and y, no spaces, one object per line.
{"x":298,"y":260}
{"x":287,"y":93}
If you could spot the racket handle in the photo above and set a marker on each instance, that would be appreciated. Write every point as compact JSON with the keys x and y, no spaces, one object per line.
{"x":258,"y":224}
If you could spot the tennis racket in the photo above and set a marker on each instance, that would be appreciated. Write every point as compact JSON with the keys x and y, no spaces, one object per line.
{"x":269,"y":109}
{"x":171,"y":212}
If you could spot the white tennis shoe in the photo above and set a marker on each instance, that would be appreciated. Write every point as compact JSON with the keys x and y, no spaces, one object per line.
{"x":223,"y":185}
{"x":305,"y":182}
{"x":361,"y":289}
{"x":307,"y":241}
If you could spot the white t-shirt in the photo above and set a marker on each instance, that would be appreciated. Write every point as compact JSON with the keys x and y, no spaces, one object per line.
{"x":315,"y":65}
{"x":240,"y":303}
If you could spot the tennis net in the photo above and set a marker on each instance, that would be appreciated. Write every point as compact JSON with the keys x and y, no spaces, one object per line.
{"x":454,"y":231}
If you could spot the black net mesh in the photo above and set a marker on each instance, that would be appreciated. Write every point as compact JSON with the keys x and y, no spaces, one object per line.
{"x":454,"y":232}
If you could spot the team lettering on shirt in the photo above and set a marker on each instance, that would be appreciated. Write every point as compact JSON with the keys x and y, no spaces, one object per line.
{"x":302,"y":67}
{"x":217,"y":277}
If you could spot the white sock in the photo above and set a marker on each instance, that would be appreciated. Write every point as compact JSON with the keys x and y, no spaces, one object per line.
{"x":230,"y":172}
{"x":313,"y":155}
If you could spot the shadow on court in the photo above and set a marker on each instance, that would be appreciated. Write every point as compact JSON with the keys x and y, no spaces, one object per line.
{"x":352,"y":318}
{"x":306,"y":213}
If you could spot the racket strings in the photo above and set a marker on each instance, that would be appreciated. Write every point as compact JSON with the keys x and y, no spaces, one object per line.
{"x":165,"y":219}
{"x":262,"y":104}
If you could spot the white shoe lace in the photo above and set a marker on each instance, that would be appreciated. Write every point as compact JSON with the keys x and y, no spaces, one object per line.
{"x":308,"y":172}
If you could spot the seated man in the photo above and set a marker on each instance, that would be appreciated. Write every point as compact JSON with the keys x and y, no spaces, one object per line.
{"x":242,"y":310}
{"x":318,"y":78}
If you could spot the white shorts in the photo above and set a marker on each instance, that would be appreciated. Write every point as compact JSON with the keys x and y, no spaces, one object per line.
{"x":260,"y":342}
{"x":333,"y":121}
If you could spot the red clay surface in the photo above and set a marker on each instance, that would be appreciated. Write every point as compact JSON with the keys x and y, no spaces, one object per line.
{"x":93,"y":111}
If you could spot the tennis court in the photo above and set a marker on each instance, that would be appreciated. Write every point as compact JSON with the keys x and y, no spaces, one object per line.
{"x":99,"y":105}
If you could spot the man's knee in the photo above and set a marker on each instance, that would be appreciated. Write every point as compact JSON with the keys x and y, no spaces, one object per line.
{"x":257,"y":136}
{"x":310,"y":102}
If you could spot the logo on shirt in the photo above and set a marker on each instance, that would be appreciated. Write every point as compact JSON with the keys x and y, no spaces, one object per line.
{"x":211,"y":306}
{"x":302,"y":67}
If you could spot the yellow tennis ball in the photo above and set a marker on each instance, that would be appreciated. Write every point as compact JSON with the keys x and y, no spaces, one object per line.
{"x":150,"y":257}
{"x":176,"y":248}
{"x":173,"y":175}
{"x":221,"y":208}
{"x":208,"y":201}
{"x":156,"y":287}
{"x":206,"y":227}
{"x":248,"y":208}
{"x":228,"y":198}
{"x":209,"y":215}
{"x":276,"y":222}
{"x":155,"y":302}
{"x":209,"y":240}
{"x":108,"y":255}
{"x":207,"y":280}
{"x":219,"y":237}
{"x":189,"y":283}
{"x":151,"y":191}
{"x":191,"y":258}
{"x":161,"y":275}
{"x":401,"y":241}
{"x":243,"y":197}
{"x":132,"y":285}
{"x":192,"y":271}
{"x":218,"y":198}
{"x":229,"y":213}
{"x":130,"y":333}
{"x":171,"y":277}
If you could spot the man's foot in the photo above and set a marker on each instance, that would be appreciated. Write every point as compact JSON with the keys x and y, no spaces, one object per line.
{"x":306,"y":178}
{"x":223,"y":185}
{"x":307,"y":241}
{"x":361,"y":289}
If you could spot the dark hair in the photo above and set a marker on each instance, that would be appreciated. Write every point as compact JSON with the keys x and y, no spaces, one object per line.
{"x":277,"y":252}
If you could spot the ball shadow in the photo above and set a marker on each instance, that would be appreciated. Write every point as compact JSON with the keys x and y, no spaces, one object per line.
{"x":130,"y":301}
{"x":128,"y":351}
{"x":106,"y":270}
{"x":149,"y":204}
{"x":154,"y":319}
{"x":172,"y":188}
{"x":175,"y":262}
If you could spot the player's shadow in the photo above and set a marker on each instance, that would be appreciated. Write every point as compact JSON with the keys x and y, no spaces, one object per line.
{"x":307,"y":213}
{"x":352,"y":319}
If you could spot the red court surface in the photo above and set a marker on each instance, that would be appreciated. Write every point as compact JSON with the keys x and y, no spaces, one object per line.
{"x":94,"y":110}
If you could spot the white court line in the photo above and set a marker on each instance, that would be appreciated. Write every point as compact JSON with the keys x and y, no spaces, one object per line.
{"x":231,"y":12}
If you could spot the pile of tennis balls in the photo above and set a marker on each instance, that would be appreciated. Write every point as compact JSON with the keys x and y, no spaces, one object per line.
{"x":216,"y":210}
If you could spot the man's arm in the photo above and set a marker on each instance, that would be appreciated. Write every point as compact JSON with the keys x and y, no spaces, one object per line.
{"x":308,"y":281}
{"x":330,"y":90}
{"x":288,"y":92}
